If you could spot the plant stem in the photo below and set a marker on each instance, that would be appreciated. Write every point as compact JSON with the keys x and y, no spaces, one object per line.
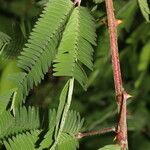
{"x":114,"y":50}
{"x":96,"y":132}
{"x":121,"y":94}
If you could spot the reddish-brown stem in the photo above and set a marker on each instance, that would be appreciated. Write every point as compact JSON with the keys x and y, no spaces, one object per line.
{"x":114,"y":50}
{"x":121,"y":95}
{"x":96,"y":132}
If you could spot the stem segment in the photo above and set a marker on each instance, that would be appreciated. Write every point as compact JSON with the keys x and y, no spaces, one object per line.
{"x":121,"y":94}
{"x":114,"y":50}
{"x":96,"y":132}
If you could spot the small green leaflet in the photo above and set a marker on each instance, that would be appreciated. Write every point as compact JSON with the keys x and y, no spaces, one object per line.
{"x":4,"y":40}
{"x":110,"y":147}
{"x":143,"y":4}
{"x":61,"y":106}
{"x":5,"y":98}
{"x":64,"y":105}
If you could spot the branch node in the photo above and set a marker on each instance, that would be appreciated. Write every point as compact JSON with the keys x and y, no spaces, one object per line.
{"x":126,"y":96}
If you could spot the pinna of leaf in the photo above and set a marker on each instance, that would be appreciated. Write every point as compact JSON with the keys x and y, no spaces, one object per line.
{"x":81,"y":30}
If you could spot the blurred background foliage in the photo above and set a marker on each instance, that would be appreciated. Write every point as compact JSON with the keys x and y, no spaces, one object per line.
{"x":97,"y":104}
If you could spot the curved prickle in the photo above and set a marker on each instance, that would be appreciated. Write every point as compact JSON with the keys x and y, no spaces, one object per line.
{"x":78,"y":2}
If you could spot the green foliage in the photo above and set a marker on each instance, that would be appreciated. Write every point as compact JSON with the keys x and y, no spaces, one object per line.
{"x":23,"y":141}
{"x":4,"y":100}
{"x":144,"y":9}
{"x":67,"y":142}
{"x":144,"y":57}
{"x":128,"y":16}
{"x":38,"y":55}
{"x":72,"y":126}
{"x":11,"y":45}
{"x":23,"y":120}
{"x":80,"y":33}
{"x":9,"y":68}
{"x":40,"y":50}
{"x":4,"y":40}
{"x":23,"y":128}
{"x":17,"y":41}
{"x":60,"y":111}
{"x":74,"y":123}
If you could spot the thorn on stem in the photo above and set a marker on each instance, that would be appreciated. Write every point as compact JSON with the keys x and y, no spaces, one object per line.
{"x":79,"y":135}
{"x":118,"y":22}
{"x":126,"y":96}
{"x":78,"y":2}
